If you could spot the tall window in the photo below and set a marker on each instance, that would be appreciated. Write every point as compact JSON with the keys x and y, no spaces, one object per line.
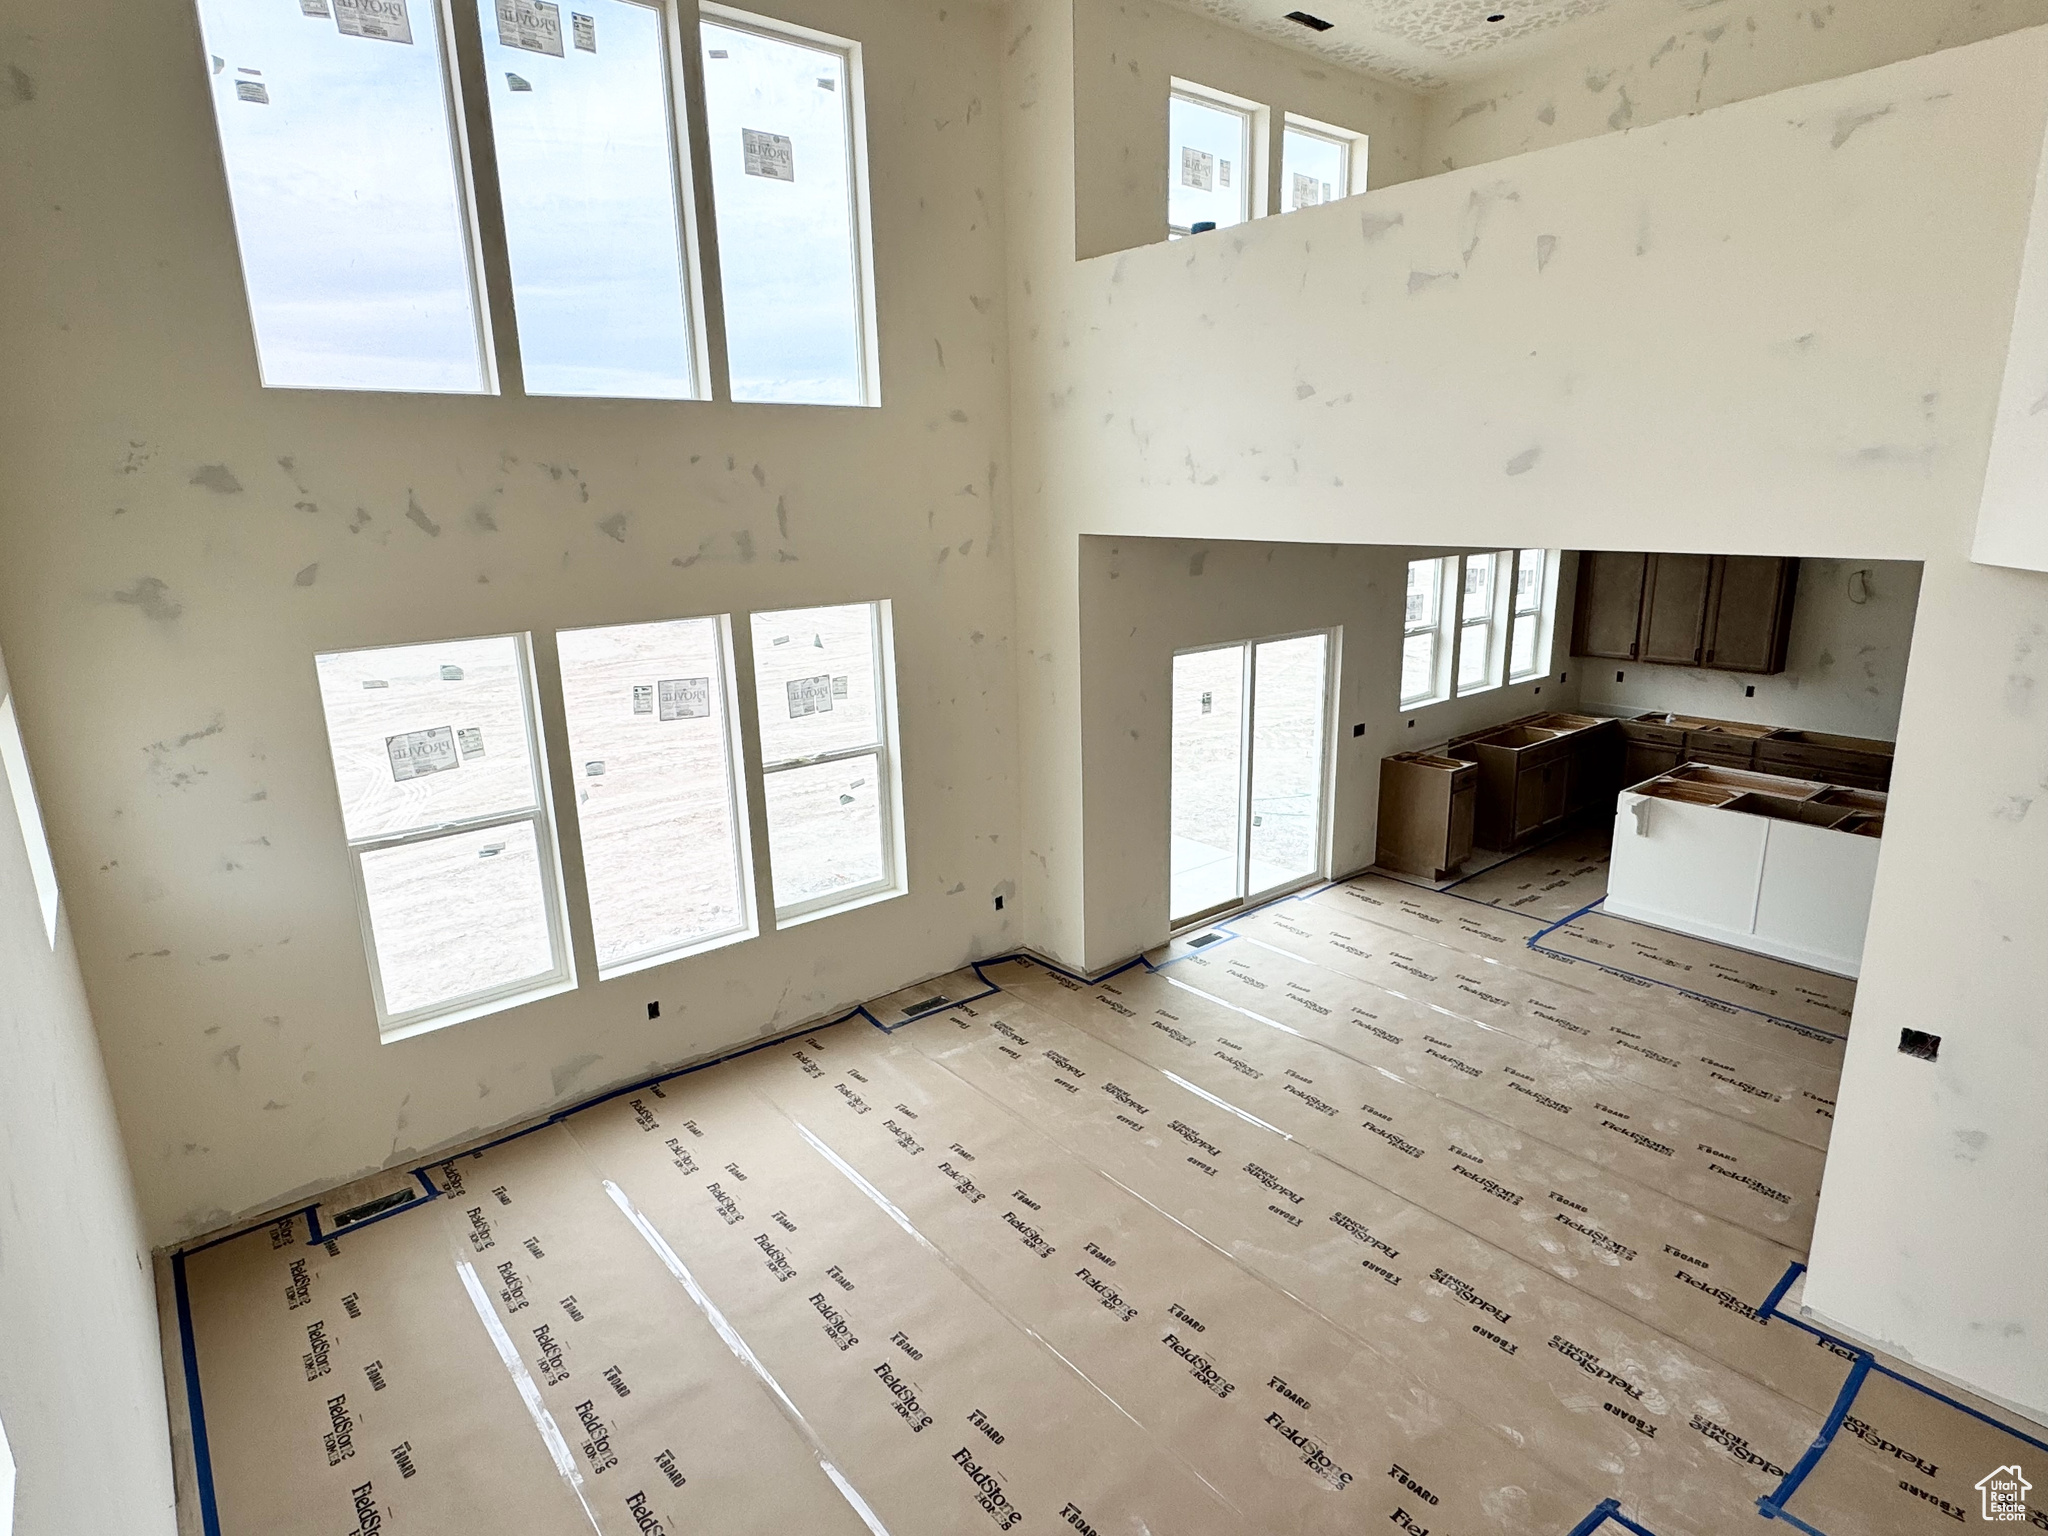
{"x":786,"y":175}
{"x":1422,"y":644}
{"x":1479,"y":622}
{"x":662,"y":822}
{"x":584,"y":122}
{"x":1209,"y":170}
{"x":1317,"y":164}
{"x":444,"y":799}
{"x":825,"y":695}
{"x":1535,"y":601}
{"x":340,"y":148}
{"x":21,"y":791}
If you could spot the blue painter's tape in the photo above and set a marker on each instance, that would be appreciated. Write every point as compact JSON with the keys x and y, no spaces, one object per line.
{"x":1608,"y":1512}
{"x":1770,"y":1307}
{"x":1772,"y":1505}
{"x":1537,"y":938}
{"x":202,"y":1454}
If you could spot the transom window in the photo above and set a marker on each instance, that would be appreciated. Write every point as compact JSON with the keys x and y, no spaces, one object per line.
{"x":1209,"y":169}
{"x":1318,"y":164}
{"x":378,"y":254}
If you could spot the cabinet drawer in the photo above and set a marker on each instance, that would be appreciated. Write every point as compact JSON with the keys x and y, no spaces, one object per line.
{"x":1823,"y":762}
{"x":1658,"y":735}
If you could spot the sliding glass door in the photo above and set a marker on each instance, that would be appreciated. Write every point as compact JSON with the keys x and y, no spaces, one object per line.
{"x":1250,"y":748}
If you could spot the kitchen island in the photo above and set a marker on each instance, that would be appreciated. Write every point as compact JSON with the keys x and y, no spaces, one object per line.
{"x":1777,"y":865}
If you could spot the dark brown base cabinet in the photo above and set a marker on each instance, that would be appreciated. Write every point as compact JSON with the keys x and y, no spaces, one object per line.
{"x":1536,"y":773}
{"x":1730,"y":613}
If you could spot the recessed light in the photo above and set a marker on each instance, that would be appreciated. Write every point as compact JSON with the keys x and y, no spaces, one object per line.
{"x":1313,"y":23}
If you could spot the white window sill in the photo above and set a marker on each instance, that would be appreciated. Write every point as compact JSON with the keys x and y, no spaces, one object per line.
{"x":392,"y":1034}
{"x":851,"y":904}
{"x":668,"y":956}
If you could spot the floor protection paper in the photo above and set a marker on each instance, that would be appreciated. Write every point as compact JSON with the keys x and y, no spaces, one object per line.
{"x":1296,"y":1233}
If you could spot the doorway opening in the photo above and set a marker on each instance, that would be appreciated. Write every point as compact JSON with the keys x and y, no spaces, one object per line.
{"x":1251,"y":731}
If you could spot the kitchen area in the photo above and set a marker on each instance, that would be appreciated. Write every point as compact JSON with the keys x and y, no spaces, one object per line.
{"x":1758,"y":833}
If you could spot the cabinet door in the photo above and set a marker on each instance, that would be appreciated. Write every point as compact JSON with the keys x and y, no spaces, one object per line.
{"x":1610,"y":605}
{"x":1752,"y":612}
{"x":1530,"y":791}
{"x":1675,"y":608}
{"x":1556,"y":790}
{"x":1464,"y":805}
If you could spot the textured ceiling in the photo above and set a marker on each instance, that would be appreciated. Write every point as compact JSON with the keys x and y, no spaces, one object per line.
{"x":1428,"y":44}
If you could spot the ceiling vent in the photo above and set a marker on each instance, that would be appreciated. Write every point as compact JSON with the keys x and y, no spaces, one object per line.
{"x":1313,"y":23}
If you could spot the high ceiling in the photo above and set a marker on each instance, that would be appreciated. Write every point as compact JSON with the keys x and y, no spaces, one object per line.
{"x":1428,"y":44}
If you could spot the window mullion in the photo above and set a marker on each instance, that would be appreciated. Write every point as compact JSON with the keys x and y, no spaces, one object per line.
{"x":838,"y":755}
{"x":470,"y":92}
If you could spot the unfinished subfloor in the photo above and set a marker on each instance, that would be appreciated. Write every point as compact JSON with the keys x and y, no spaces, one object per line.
{"x":1381,"y":1208}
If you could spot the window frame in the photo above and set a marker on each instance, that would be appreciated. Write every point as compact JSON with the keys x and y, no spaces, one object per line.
{"x":1449,"y":573}
{"x":1545,"y":613}
{"x":19,"y":779}
{"x":490,"y":328}
{"x":749,"y":924}
{"x":494,"y":255}
{"x":1494,"y":622}
{"x":1252,"y":116}
{"x":886,"y":749}
{"x":858,"y":192}
{"x":1353,"y":146}
{"x":391,"y":1027}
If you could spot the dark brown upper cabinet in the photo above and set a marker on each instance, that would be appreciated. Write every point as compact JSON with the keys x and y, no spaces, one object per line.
{"x":1751,"y":622}
{"x":1609,"y":616}
{"x":1675,"y":609}
{"x":1729,"y":612}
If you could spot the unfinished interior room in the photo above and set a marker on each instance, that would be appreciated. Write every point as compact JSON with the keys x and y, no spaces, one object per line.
{"x":927,"y":767}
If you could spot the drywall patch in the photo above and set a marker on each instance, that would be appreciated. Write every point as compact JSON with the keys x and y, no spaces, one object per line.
{"x":1546,"y":247}
{"x":614,"y":527}
{"x":152,"y":597}
{"x":1524,"y":461}
{"x":217,"y":478}
{"x":1373,"y":225}
{"x":570,"y":1070}
{"x":308,"y":576}
{"x":417,"y":516}
{"x":1847,"y":124}
{"x":21,"y":87}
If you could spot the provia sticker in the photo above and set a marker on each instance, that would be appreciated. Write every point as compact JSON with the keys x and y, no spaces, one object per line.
{"x":839,"y":687}
{"x":585,"y":28}
{"x":768,"y":154}
{"x":471,"y":739}
{"x":1197,"y":168}
{"x":314,"y":8}
{"x":386,"y":19}
{"x":810,"y":696}
{"x":252,"y":90}
{"x":1222,"y":173}
{"x":685,"y":698}
{"x":451,"y":674}
{"x":1308,"y":191}
{"x":533,"y":25}
{"x":415,"y":754}
{"x":517,"y":82}
{"x":643,"y":698}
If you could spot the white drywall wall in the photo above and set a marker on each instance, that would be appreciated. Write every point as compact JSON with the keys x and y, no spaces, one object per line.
{"x":1783,"y":321}
{"x":1127,"y":53}
{"x":1726,"y":50}
{"x":180,"y":543}
{"x":81,"y":1376}
{"x":1142,"y":599}
{"x":1845,"y":669}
